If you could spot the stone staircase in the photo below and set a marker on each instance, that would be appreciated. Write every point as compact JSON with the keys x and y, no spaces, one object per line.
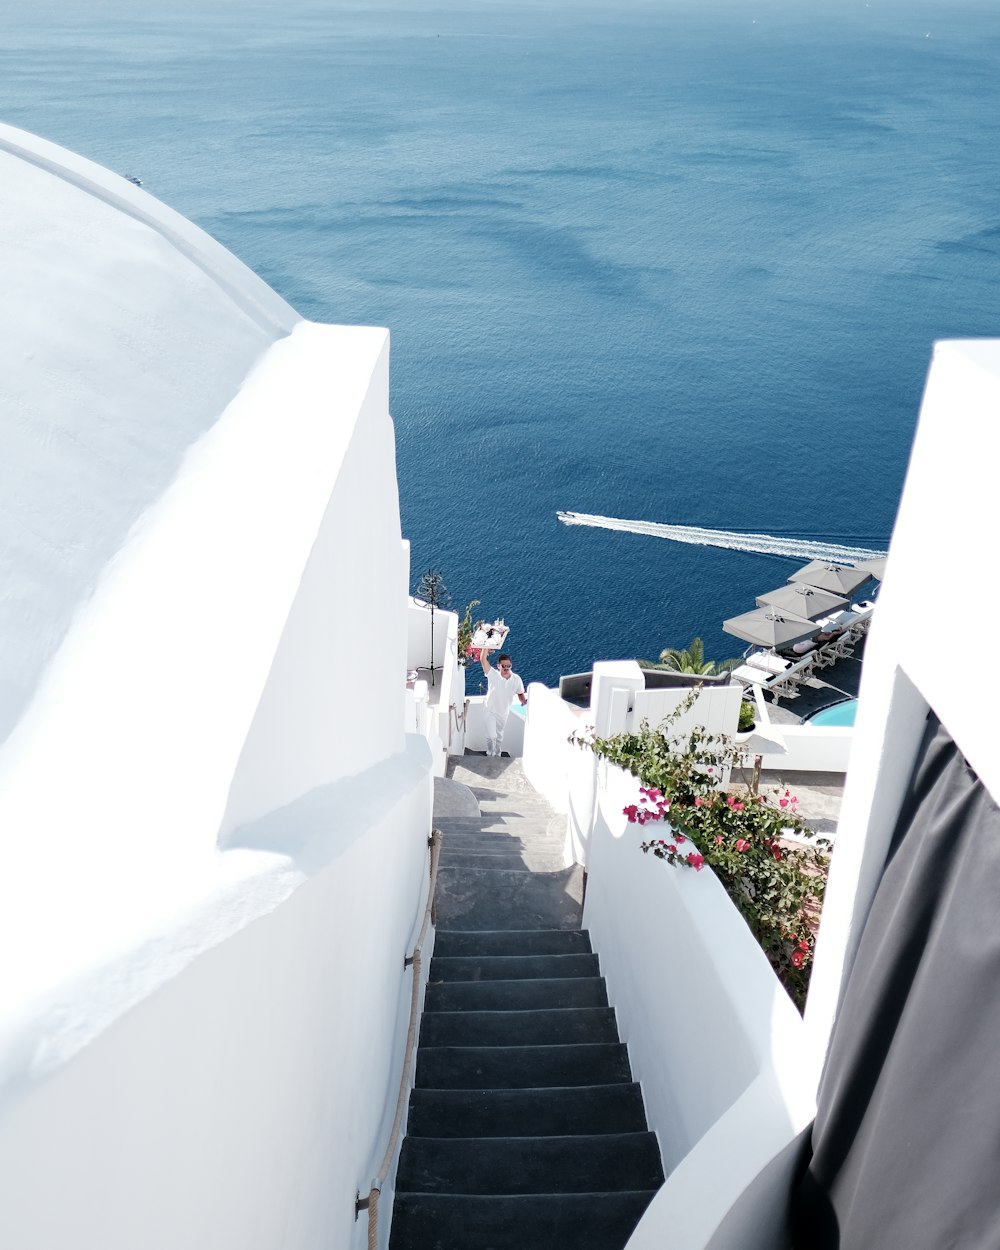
{"x":525,"y":1129}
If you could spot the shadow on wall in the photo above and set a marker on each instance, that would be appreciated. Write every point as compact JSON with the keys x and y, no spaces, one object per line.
{"x":319,"y":827}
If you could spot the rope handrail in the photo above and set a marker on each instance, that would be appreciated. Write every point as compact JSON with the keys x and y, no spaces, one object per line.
{"x":370,"y":1204}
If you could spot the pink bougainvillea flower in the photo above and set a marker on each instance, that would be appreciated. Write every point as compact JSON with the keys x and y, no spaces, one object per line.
{"x":776,"y":851}
{"x":632,"y":812}
{"x":680,"y":837}
{"x":782,"y":802}
{"x":671,"y":848}
{"x":798,"y":958}
{"x":719,"y":839}
{"x":742,"y":844}
{"x":804,"y":945}
{"x":696,"y":861}
{"x":698,"y":800}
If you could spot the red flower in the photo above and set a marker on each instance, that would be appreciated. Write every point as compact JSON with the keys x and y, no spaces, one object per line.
{"x":696,"y":861}
{"x":680,"y":837}
{"x":804,"y":944}
{"x":798,"y":958}
{"x":742,"y":844}
{"x":671,"y":848}
{"x":776,"y":851}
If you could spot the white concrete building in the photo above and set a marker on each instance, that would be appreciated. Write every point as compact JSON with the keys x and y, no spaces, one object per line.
{"x":215,"y":789}
{"x":212,"y":823}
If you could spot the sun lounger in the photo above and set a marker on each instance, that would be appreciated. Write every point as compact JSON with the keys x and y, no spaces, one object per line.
{"x":780,"y":685}
{"x":768,"y":661}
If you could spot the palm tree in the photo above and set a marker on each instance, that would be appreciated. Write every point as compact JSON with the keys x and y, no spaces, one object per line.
{"x":691,"y":659}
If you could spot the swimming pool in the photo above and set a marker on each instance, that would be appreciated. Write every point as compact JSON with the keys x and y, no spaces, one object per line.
{"x":840,"y":714}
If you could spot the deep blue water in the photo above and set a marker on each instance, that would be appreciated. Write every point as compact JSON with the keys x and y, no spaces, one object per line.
{"x":678,"y":262}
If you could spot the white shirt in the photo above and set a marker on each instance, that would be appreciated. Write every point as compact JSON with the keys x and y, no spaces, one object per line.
{"x":501,"y":692}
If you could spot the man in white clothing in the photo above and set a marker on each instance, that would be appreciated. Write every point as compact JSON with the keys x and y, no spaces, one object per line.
{"x":503,"y":686}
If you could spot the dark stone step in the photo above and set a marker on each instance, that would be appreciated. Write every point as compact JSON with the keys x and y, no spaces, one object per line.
{"x":477,"y":898}
{"x":530,"y":995}
{"x":519,"y":1028}
{"x":511,"y":942}
{"x":503,"y":822}
{"x":515,"y":814}
{"x":598,"y":1221}
{"x":521,"y":1067}
{"x":525,"y":859}
{"x":512,"y":967}
{"x":554,"y":1112}
{"x":610,"y":1162}
{"x":501,"y":839}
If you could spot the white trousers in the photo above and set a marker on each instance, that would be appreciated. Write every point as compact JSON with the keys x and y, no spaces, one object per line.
{"x":495,"y":725}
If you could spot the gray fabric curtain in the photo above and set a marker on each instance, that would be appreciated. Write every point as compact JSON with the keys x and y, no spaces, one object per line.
{"x":905,"y":1151}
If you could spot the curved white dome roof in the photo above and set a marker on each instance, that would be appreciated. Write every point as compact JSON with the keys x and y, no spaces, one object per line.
{"x":126,"y":333}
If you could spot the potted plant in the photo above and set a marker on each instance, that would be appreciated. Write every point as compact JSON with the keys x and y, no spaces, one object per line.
{"x":466,"y":651}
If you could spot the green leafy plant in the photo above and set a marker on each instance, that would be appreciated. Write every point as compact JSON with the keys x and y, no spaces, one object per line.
{"x":465,"y":631}
{"x":748,"y":718}
{"x":691,"y":659}
{"x":769,"y":861}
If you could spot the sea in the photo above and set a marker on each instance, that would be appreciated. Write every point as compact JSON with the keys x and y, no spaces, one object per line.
{"x":673,"y":262}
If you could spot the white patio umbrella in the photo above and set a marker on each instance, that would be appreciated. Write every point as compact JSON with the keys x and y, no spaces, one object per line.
{"x":841,"y":579}
{"x":874,"y":568}
{"x":767,"y":627}
{"x":807,"y":602}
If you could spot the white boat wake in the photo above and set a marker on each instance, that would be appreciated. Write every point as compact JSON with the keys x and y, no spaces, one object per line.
{"x":763,"y":544}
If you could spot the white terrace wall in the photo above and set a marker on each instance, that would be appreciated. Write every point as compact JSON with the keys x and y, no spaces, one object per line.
{"x":945,"y":535}
{"x":213,"y":845}
{"x":549,"y":756}
{"x":438,"y":711}
{"x":811,"y":748}
{"x":713,"y":1038}
{"x":565,"y":773}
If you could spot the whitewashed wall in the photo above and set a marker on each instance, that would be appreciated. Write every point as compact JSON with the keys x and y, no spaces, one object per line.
{"x":716,"y":709}
{"x":245,"y":1103}
{"x":418,"y":636}
{"x":440,"y":713}
{"x":548,"y":753}
{"x":213,"y":844}
{"x":812,"y":748}
{"x":713,"y":1038}
{"x":945,"y":535}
